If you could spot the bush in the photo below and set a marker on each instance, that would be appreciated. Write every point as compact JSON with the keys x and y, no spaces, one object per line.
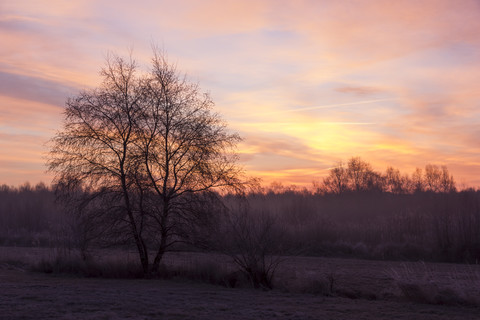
{"x":253,"y":241}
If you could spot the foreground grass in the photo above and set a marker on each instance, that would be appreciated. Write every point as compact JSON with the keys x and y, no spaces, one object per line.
{"x":26,"y":295}
{"x":439,"y":284}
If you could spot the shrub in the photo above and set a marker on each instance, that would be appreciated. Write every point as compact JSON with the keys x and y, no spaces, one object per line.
{"x":252,"y":241}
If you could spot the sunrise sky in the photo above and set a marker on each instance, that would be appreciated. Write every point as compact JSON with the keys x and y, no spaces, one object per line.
{"x":305,"y":83}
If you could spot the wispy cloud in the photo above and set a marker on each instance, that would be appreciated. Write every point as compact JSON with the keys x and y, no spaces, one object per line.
{"x":307,"y":83}
{"x":35,"y":89}
{"x":359,"y":90}
{"x":338,"y":105}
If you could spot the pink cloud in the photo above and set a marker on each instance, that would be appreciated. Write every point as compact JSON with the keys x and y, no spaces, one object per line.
{"x":260,"y":58}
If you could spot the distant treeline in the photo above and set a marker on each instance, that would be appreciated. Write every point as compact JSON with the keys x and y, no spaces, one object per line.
{"x":378,"y":225}
{"x":357,"y":175}
{"x":354,"y":211}
{"x":29,"y":215}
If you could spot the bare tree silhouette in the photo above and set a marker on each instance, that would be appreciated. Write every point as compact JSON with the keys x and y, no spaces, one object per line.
{"x":146,"y":150}
{"x":253,"y":240}
{"x":337,"y":180}
{"x":438,"y":179}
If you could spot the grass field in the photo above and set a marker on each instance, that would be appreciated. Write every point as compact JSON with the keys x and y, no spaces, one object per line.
{"x":306,"y":288}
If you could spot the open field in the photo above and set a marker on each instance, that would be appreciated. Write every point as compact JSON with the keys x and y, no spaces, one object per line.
{"x":360,"y":290}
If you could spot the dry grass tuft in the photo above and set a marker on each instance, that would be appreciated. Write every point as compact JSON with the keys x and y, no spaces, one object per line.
{"x":206,"y":272}
{"x":419,"y":283}
{"x":71,"y":263}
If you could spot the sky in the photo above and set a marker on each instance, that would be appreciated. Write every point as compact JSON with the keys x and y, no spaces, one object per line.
{"x":306,"y":83}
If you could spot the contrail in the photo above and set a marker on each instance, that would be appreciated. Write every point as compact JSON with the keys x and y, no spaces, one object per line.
{"x":325,"y":106}
{"x":333,"y":105}
{"x":347,"y":123}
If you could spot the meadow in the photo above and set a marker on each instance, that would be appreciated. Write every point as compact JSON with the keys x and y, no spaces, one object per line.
{"x":195,"y":288}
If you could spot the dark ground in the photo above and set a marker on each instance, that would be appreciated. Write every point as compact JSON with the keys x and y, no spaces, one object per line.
{"x":26,"y":295}
{"x":362,"y":289}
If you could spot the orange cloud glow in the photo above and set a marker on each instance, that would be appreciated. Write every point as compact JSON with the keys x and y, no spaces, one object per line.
{"x":306,"y":83}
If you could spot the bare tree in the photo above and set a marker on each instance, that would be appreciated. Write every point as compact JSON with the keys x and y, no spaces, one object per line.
{"x":91,"y":156}
{"x":394,"y":182}
{"x":417,"y":183}
{"x":145,"y":150}
{"x":253,"y":240}
{"x":447,"y":182}
{"x":337,"y":180}
{"x":438,"y":179}
{"x":185,"y":150}
{"x":361,"y":175}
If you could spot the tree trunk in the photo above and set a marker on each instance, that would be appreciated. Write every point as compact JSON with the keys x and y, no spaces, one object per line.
{"x":164,"y":234}
{"x":158,"y":257}
{"x":143,"y":253}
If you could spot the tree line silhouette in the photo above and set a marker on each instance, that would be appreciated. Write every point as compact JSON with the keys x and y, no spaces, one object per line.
{"x":425,"y":218}
{"x":358,"y":175}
